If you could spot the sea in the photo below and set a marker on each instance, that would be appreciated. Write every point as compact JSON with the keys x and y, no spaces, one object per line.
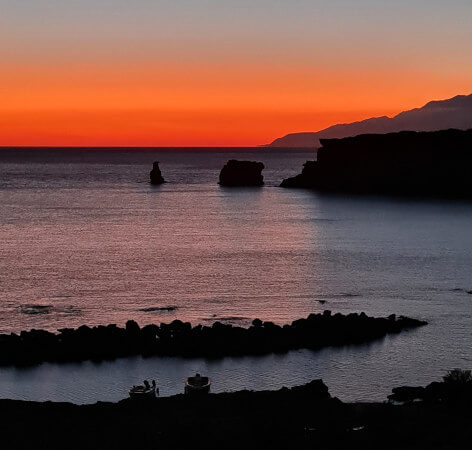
{"x":85,"y":239}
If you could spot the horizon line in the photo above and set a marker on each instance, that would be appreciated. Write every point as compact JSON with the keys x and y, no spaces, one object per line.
{"x":139,"y":147}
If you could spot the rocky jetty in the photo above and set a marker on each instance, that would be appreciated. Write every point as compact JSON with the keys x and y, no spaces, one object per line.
{"x":303,"y":417}
{"x":406,"y":163}
{"x":181,"y":339}
{"x":155,"y":175}
{"x":242,"y":173}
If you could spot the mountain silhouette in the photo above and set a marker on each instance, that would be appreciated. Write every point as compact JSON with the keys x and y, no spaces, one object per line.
{"x":436,"y":115}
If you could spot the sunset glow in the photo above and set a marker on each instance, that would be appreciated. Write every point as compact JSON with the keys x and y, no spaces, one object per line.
{"x":155,"y":73}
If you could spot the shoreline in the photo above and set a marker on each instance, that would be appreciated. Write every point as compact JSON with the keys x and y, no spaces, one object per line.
{"x":304,"y":416}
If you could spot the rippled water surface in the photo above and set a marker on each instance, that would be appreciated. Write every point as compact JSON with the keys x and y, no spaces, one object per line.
{"x":86,"y":240}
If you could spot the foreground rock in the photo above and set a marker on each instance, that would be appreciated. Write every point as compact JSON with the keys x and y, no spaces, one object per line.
{"x":455,"y":387}
{"x":242,"y":173}
{"x":405,"y":163}
{"x":181,"y":339}
{"x":303,"y":417}
{"x":155,"y":175}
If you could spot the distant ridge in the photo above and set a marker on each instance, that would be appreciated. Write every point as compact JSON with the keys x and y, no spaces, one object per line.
{"x":455,"y":112}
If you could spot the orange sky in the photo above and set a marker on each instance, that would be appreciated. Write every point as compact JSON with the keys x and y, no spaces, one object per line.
{"x":197,"y":105}
{"x":170,"y":76}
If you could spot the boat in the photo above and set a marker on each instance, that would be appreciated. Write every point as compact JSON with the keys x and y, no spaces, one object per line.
{"x":145,"y":390}
{"x":197,"y":385}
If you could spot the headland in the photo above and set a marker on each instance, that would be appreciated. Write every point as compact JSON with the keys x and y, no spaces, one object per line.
{"x":407,"y":163}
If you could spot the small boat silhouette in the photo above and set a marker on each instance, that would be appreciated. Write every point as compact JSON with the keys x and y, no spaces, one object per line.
{"x":197,"y":384}
{"x":144,"y":390}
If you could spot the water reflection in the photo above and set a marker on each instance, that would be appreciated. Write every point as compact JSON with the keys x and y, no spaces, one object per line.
{"x":366,"y":372}
{"x":130,"y":251}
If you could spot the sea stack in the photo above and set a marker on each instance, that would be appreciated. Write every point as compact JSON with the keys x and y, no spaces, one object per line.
{"x":155,"y":174}
{"x":242,"y":173}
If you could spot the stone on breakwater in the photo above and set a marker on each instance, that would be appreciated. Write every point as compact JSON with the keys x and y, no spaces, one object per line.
{"x":181,"y":339}
{"x":242,"y":173}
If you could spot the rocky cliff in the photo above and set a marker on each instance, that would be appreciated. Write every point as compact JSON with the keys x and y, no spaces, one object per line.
{"x":406,"y":163}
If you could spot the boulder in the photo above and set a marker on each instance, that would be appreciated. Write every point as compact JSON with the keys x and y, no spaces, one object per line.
{"x":407,"y":393}
{"x":242,"y":173}
{"x":315,"y":389}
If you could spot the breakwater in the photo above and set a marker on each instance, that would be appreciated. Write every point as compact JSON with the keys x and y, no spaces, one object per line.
{"x":181,"y":339}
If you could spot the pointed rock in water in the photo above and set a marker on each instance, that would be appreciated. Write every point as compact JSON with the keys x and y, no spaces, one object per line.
{"x":242,"y":173}
{"x":155,"y":174}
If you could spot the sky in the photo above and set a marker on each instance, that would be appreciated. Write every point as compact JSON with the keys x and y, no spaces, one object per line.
{"x":220,"y":72}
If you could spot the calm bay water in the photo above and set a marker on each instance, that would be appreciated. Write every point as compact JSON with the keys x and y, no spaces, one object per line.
{"x":86,"y":240}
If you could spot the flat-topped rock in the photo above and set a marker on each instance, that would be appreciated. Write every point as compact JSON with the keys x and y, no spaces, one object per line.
{"x":155,"y":175}
{"x":406,"y":163}
{"x":242,"y":173}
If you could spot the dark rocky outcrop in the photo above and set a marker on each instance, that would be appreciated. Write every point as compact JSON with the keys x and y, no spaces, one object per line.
{"x":155,"y":175}
{"x":306,"y":179}
{"x":406,"y":163}
{"x":242,"y":173}
{"x":303,"y":417}
{"x":181,"y":339}
{"x":237,"y":420}
{"x":455,"y":387}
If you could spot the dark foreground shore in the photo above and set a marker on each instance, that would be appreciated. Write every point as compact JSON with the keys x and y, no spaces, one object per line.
{"x":301,"y":417}
{"x":181,"y":339}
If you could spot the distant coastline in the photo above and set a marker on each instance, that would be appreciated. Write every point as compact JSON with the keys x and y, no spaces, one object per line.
{"x":455,"y":112}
